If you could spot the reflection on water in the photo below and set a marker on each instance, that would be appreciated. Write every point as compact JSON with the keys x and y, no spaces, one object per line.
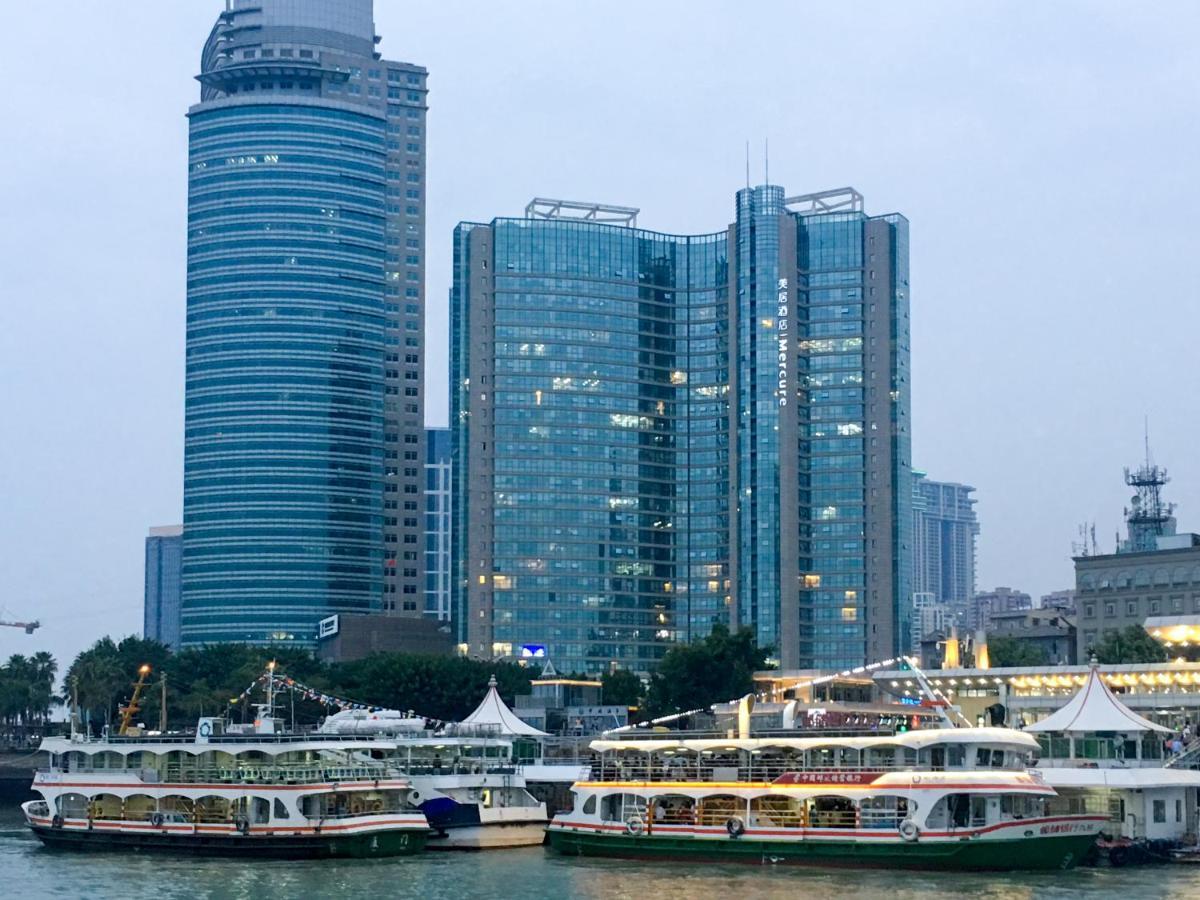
{"x":529,"y":874}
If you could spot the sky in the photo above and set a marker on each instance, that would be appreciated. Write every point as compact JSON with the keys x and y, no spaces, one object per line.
{"x":1045,"y":155}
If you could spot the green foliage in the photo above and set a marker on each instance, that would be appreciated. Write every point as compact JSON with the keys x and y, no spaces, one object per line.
{"x":693,"y":676}
{"x":206,"y":681}
{"x":1128,"y":645}
{"x":27,"y":689}
{"x":1010,"y":651}
{"x":443,"y":687}
{"x":621,"y":688}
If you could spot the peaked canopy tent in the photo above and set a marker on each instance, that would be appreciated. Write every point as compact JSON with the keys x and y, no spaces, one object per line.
{"x":1095,"y":709}
{"x":493,"y":713}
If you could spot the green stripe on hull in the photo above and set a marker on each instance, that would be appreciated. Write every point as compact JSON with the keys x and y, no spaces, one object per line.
{"x":353,"y":846}
{"x":1023,"y":854}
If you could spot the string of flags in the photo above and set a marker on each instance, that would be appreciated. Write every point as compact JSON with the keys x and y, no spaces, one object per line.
{"x":326,"y":699}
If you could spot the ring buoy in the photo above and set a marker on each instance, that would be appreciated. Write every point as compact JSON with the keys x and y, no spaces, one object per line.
{"x":157,"y":820}
{"x":634,"y":825}
{"x":376,"y":805}
{"x":735,"y":826}
{"x":57,"y":821}
{"x":414,"y":796}
{"x":242,"y":824}
{"x":205,"y":729}
{"x":909,"y":830}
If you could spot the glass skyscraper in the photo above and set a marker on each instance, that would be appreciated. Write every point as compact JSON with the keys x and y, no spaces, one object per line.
{"x":164,"y":558}
{"x":304,"y":421}
{"x":943,"y":543}
{"x":655,"y":433}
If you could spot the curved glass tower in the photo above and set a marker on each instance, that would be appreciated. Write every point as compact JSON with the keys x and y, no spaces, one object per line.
{"x":292,"y":330}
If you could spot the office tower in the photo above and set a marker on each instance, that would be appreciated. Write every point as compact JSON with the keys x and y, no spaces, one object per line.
{"x":437,"y":523}
{"x":164,"y":558}
{"x":304,"y":420}
{"x":945,"y":529}
{"x":654,"y":433}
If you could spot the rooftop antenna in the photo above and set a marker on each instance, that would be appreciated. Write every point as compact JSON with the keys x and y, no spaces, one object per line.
{"x":747,"y":165}
{"x":766,"y":160}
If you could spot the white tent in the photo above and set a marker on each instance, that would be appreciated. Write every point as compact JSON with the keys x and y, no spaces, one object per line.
{"x":493,"y":713}
{"x":1093,"y":709}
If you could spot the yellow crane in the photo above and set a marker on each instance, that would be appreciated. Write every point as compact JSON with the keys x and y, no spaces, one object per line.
{"x":132,"y":708}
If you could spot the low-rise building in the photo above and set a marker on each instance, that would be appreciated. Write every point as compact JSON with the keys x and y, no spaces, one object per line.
{"x":1000,"y":600}
{"x":345,"y":637}
{"x":569,"y":706}
{"x":1046,"y":631}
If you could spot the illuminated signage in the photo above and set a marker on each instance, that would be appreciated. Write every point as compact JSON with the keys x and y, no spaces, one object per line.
{"x":781,"y":326}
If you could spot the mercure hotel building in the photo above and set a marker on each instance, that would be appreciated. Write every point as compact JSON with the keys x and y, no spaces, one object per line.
{"x":653,"y":434}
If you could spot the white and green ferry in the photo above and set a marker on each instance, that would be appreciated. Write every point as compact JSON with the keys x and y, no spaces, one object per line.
{"x":952,"y":798}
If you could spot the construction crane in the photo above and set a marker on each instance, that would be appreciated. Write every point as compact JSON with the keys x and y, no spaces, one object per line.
{"x":133,"y":708}
{"x":29,"y":627}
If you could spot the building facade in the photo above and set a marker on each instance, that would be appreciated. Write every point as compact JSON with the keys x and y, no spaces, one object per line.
{"x":945,"y":530}
{"x":163,"y":585}
{"x":304,"y":420}
{"x":998,"y":600}
{"x":437,"y":524}
{"x":653,"y":434}
{"x":1116,"y":590}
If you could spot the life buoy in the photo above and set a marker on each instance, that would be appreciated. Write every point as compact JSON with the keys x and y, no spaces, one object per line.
{"x":205,"y":729}
{"x":634,"y":825}
{"x":242,"y":824}
{"x":414,"y":796}
{"x":377,"y":805}
{"x":909,"y":830}
{"x":57,"y":821}
{"x":735,"y":826}
{"x":157,"y":820}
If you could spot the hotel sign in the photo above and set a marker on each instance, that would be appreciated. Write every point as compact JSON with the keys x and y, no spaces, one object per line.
{"x":781,"y":326}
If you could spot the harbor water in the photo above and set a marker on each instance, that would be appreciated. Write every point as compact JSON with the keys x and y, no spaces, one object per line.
{"x":29,"y":871}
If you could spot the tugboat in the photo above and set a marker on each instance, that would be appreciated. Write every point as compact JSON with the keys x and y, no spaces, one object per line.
{"x":942,"y":799}
{"x":224,"y":792}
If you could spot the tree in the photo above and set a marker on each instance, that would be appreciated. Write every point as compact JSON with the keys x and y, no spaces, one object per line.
{"x":620,"y":687}
{"x":440,"y":687}
{"x":694,"y":676}
{"x":1131,"y":644}
{"x":1011,"y":651}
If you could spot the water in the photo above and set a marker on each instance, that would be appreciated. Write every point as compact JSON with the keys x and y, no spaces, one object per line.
{"x":27,"y":870}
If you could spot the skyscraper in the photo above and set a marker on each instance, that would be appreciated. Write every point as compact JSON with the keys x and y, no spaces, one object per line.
{"x":945,"y":529}
{"x":437,"y":524}
{"x":164,"y":556}
{"x":304,"y":420}
{"x":657,"y":433}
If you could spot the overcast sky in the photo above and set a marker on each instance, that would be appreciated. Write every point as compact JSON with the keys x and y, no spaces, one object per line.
{"x":1045,"y":154}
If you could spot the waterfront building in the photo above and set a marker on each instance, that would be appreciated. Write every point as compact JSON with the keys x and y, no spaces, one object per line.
{"x":1062,"y":601}
{"x":1000,"y":600}
{"x":437,"y":524}
{"x":164,"y":560}
{"x":655,"y":433}
{"x":945,"y":530}
{"x":304,"y":420}
{"x":1050,"y":634}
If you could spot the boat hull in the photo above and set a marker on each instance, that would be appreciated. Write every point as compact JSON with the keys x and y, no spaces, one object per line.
{"x":967,"y":854}
{"x":496,"y":836}
{"x":363,"y":845}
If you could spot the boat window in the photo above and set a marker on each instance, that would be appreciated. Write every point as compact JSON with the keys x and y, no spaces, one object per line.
{"x":1018,"y":806}
{"x":997,"y":759}
{"x":777,"y":812}
{"x":720,"y":809}
{"x":959,"y":809}
{"x":885,"y":811}
{"x":831,"y":812}
{"x":956,"y":756}
{"x":280,"y":810}
{"x":978,"y":811}
{"x":589,"y":805}
{"x":674,"y":809}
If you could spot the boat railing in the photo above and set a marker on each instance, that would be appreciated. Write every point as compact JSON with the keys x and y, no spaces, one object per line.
{"x":264,"y":774}
{"x":608,"y":771}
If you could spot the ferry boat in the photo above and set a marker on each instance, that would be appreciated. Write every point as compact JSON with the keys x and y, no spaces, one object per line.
{"x":217,"y":792}
{"x":941,"y":798}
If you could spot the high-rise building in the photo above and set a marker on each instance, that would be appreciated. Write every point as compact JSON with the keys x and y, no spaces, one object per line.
{"x":998,"y":600}
{"x":437,"y":523}
{"x":304,"y":421}
{"x":164,"y":558}
{"x":945,"y":529}
{"x":657,"y":433}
